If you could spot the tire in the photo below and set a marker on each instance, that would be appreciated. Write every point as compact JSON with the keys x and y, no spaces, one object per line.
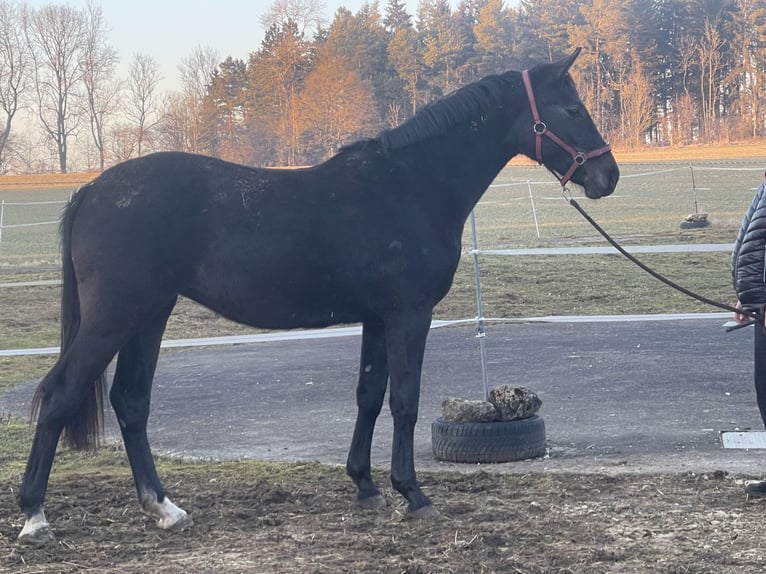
{"x":488,"y":442}
{"x":694,"y":224}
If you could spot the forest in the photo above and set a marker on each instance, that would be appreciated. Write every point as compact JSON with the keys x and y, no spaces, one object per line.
{"x":652,"y":73}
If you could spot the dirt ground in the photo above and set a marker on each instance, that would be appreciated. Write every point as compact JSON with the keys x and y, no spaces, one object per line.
{"x":305,"y":521}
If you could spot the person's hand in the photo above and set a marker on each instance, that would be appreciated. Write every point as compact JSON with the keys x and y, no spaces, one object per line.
{"x":739,"y":318}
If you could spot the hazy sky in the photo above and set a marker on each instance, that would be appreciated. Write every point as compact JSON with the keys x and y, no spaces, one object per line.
{"x":169,"y":30}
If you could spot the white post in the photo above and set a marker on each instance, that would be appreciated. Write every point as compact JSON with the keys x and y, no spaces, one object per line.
{"x":2,"y":217}
{"x":534,"y":210}
{"x":480,"y":308}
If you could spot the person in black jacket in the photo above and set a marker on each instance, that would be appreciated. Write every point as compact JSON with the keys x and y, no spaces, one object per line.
{"x":748,"y":269}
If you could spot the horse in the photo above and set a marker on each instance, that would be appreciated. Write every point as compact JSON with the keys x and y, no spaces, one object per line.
{"x":370,"y":236}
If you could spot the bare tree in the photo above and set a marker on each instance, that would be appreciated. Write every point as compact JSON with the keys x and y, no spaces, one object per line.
{"x":15,"y":68}
{"x":141,"y":105}
{"x":709,"y":50}
{"x":57,"y":35}
{"x":98,"y":74}
{"x":306,"y":14}
{"x":196,"y":74}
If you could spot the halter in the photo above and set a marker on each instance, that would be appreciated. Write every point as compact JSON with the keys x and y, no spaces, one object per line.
{"x":540,"y":129}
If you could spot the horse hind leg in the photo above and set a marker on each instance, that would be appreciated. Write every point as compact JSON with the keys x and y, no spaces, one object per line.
{"x":371,"y":390}
{"x":62,"y":393}
{"x":130,"y":398}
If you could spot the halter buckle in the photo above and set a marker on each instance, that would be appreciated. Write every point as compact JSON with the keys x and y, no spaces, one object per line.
{"x":539,"y":128}
{"x":580,"y":158}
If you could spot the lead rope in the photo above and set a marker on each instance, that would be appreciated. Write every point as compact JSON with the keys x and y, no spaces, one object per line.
{"x":756,"y":316}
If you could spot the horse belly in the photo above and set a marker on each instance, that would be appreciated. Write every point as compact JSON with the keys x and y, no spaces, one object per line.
{"x":270,"y":302}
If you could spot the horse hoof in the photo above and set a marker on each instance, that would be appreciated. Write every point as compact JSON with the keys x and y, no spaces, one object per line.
{"x":40,"y":536}
{"x":427,"y":512}
{"x":178,"y":522}
{"x":374,"y":501}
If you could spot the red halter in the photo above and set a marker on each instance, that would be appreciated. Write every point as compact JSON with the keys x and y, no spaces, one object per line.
{"x":540,"y":129}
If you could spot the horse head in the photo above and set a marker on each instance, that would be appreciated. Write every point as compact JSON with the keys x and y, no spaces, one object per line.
{"x":561,"y":134}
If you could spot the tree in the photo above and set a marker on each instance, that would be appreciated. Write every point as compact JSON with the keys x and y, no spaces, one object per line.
{"x":493,"y":38}
{"x":141,"y":106}
{"x":361,"y":40}
{"x":335,"y":106}
{"x":636,"y":103}
{"x":15,"y":68}
{"x":746,"y":29}
{"x":543,"y":28}
{"x":57,"y":34}
{"x":304,"y":14}
{"x":602,"y":33}
{"x":277,"y":73}
{"x":97,"y":65}
{"x":710,"y":47}
{"x":196,"y":71}
{"x":224,"y":111}
{"x":442,"y":44}
{"x":405,"y":58}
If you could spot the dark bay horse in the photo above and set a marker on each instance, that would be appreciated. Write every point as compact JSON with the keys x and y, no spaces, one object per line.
{"x":371,"y":236}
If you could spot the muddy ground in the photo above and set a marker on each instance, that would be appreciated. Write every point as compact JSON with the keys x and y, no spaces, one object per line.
{"x":305,"y":521}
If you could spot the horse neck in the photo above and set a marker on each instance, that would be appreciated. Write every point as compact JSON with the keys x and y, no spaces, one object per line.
{"x":459,"y":165}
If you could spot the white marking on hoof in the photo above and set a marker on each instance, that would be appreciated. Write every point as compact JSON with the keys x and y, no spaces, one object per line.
{"x":36,"y":531}
{"x":168,"y":515}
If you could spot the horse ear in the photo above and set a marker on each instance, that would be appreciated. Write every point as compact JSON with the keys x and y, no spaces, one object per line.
{"x":563,"y":65}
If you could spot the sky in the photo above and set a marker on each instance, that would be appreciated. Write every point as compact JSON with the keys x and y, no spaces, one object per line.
{"x":169,"y":30}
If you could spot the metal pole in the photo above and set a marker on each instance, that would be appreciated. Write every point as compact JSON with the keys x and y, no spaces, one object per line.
{"x":694,"y":190}
{"x":2,"y":217}
{"x":480,"y":334}
{"x":534,"y":210}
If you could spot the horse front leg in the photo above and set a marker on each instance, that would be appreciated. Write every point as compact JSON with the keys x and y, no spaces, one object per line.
{"x":130,"y":398}
{"x":370,"y":392}
{"x":406,"y":340}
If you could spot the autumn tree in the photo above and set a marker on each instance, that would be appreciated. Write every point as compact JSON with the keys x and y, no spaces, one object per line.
{"x":361,"y":39}
{"x":276,"y":75}
{"x":602,"y":35}
{"x":335,"y":107}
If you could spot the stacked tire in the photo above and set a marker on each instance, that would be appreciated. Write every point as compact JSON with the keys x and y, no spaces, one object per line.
{"x":492,"y":442}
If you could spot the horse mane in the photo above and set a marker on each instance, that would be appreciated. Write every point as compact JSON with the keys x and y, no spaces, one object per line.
{"x":438,"y":117}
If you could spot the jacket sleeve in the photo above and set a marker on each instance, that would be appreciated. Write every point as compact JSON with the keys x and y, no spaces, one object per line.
{"x":749,"y":252}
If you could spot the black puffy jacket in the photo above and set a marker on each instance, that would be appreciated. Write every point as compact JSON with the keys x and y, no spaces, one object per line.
{"x":748,"y":260}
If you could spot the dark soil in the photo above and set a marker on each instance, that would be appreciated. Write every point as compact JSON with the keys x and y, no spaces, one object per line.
{"x":305,"y":521}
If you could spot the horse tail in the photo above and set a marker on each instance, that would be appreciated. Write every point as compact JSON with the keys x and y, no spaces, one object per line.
{"x":84,"y":427}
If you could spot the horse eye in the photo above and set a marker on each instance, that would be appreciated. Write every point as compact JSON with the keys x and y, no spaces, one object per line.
{"x":572,"y":111}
